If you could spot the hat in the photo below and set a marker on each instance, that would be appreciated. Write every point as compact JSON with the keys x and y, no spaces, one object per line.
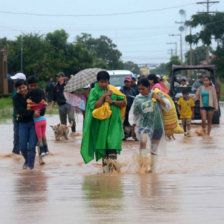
{"x":133,"y":77}
{"x":158,"y":76}
{"x":60,"y":74}
{"x":128,"y":78}
{"x":18,"y":76}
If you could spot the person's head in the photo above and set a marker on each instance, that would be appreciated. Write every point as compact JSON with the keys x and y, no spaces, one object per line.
{"x":143,"y":86}
{"x":152,"y":79}
{"x":183,"y":82}
{"x":103,"y":79}
{"x":133,"y":80}
{"x":21,"y":87}
{"x":32,"y":82}
{"x":51,"y":79}
{"x":128,"y":82}
{"x":18,"y":76}
{"x":207,"y":80}
{"x":36,"y":95}
{"x":60,"y":77}
{"x":185,"y":93}
{"x":158,"y":78}
{"x":164,"y":78}
{"x":201,"y":78}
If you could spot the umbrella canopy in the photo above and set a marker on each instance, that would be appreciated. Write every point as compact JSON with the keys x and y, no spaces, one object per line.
{"x":82,"y":79}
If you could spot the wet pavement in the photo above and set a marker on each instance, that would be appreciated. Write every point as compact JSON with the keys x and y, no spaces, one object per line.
{"x":189,"y":186}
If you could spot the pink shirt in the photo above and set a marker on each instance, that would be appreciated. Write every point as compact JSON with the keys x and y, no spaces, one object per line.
{"x":157,"y":85}
{"x":160,"y":86}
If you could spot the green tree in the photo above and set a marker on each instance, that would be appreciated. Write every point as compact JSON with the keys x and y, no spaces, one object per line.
{"x":44,"y":56}
{"x":198,"y":55}
{"x":102,"y":49}
{"x":174,"y":60}
{"x":211,"y":27}
{"x":131,"y":66}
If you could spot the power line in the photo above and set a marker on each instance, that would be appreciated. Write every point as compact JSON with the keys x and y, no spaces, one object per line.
{"x":208,"y":3}
{"x":94,"y":15}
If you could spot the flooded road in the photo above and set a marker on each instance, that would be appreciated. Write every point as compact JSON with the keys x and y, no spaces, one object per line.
{"x":189,"y":186}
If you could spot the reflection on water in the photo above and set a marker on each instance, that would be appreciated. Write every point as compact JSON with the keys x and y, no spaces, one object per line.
{"x":31,"y":187}
{"x":187,"y":189}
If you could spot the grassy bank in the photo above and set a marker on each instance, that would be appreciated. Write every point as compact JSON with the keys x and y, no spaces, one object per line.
{"x":6,"y":109}
{"x":222,"y":92}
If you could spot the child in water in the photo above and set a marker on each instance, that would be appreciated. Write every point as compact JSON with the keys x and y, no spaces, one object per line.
{"x":36,"y":102}
{"x":186,"y":111}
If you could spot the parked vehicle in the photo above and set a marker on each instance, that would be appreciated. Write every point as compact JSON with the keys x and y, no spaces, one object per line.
{"x":117,"y":77}
{"x":191,"y":74}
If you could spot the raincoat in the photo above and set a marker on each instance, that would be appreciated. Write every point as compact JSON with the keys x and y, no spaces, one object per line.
{"x":100,"y":135}
{"x":149,"y":120}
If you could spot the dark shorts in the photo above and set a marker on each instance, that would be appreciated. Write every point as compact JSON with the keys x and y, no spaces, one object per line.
{"x":157,"y":134}
{"x":207,"y":108}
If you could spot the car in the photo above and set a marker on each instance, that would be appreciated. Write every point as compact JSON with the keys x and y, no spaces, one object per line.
{"x":191,"y":73}
{"x":117,"y":77}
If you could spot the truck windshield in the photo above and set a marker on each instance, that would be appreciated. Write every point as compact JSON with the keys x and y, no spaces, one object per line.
{"x":117,"y":80}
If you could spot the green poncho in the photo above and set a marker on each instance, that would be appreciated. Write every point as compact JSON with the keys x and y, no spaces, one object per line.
{"x":100,"y":135}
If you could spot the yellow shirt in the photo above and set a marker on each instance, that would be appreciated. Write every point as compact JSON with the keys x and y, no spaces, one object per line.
{"x":186,"y":107}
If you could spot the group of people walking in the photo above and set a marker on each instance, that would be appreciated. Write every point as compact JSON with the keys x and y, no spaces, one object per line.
{"x":106,"y":113}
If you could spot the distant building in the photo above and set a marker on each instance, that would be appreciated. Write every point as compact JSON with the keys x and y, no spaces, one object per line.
{"x":144,"y":70}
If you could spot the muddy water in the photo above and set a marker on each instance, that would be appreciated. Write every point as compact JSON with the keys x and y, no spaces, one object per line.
{"x":189,"y":186}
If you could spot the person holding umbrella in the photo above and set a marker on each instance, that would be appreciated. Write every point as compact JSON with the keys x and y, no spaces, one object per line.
{"x":65,"y":109}
{"x":103,"y":132}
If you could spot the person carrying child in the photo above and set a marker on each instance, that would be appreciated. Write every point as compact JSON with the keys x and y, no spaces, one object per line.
{"x":102,"y":131}
{"x":148,"y":123}
{"x":36,"y":102}
{"x":186,"y":111}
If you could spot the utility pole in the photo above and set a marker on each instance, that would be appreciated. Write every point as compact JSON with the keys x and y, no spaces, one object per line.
{"x":21,"y":55}
{"x":191,"y":52}
{"x":174,"y":43}
{"x":181,"y":45}
{"x":170,"y":51}
{"x":208,"y":3}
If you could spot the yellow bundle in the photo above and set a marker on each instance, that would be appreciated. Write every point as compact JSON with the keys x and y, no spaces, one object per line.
{"x":104,"y":112}
{"x":170,"y":118}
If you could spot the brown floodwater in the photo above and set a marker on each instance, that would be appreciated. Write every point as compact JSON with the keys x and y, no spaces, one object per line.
{"x":188,"y":188}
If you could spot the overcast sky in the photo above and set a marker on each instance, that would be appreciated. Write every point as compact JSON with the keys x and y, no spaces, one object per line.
{"x":140,"y":28}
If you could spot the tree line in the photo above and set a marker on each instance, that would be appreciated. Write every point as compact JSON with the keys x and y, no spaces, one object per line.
{"x":46,"y":55}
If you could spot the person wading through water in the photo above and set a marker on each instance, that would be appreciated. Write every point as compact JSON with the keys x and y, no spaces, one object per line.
{"x":102,"y":135}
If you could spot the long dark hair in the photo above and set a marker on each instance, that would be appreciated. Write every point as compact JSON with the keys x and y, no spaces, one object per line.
{"x":153,"y":77}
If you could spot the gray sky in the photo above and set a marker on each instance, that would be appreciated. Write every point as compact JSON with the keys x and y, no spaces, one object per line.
{"x":141,"y":34}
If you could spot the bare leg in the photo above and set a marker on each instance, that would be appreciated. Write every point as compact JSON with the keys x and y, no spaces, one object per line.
{"x":185,"y":128}
{"x":40,"y":150}
{"x":143,"y":142}
{"x":203,"y":119}
{"x":188,"y":130}
{"x":210,"y":116}
{"x":188,"y":127}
